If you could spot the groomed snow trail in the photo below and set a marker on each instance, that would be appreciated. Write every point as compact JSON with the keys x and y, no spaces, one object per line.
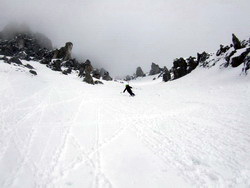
{"x":56,"y":131}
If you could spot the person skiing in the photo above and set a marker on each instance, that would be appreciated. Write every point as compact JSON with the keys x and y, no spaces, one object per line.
{"x":128,"y":88}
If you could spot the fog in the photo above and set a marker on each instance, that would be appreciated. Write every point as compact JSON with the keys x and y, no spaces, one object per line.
{"x":120,"y":35}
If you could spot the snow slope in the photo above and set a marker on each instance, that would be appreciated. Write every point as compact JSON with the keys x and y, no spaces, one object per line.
{"x":57,"y":131}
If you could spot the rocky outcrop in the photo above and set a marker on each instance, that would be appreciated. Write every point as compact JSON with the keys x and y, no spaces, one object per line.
{"x":55,"y":65}
{"x":180,"y":68}
{"x":191,"y":64}
{"x":33,"y":72}
{"x":105,"y":75}
{"x":85,"y":68}
{"x":15,"y":60}
{"x":139,"y":72}
{"x":166,"y":75}
{"x":22,"y":44}
{"x":222,"y":50}
{"x":236,"y":42}
{"x":201,"y":59}
{"x":97,"y":82}
{"x":128,"y":78}
{"x":155,"y":69}
{"x":246,"y":65}
{"x":88,"y":79}
{"x":96,"y":73}
{"x":67,"y":71}
{"x":29,"y":66}
{"x":239,"y":57}
{"x":64,"y":53}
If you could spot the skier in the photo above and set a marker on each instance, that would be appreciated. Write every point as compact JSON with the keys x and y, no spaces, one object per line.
{"x":128,"y":88}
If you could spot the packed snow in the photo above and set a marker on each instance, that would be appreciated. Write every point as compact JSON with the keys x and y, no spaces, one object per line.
{"x":57,"y":131}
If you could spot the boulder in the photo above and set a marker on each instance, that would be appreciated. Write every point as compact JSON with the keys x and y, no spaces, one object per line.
{"x":15,"y":60}
{"x":239,"y":58}
{"x":29,"y":66}
{"x":105,"y":75}
{"x":81,"y":70}
{"x":155,"y":69}
{"x":88,"y":68}
{"x":179,"y":62}
{"x":88,"y":79}
{"x":67,"y":71}
{"x":191,"y":64}
{"x":22,"y":55}
{"x":166,"y":75}
{"x":96,"y":73}
{"x":201,"y":58}
{"x":98,"y":82}
{"x":236,"y":42}
{"x":56,"y":65}
{"x":33,"y":72}
{"x":128,"y":78}
{"x":64,"y":52}
{"x":222,"y":50}
{"x":228,"y":56}
{"x":246,"y":66}
{"x":139,"y":72}
{"x":45,"y":61}
{"x":180,"y":68}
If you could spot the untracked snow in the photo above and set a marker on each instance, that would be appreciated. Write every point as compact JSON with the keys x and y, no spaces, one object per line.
{"x":57,"y":131}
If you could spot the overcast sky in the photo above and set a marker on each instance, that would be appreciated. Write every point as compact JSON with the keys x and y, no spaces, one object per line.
{"x":123,"y":34}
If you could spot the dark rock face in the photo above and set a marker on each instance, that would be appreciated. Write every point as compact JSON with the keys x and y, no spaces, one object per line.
{"x":155,"y":69}
{"x":128,"y":78}
{"x":191,"y":64}
{"x":64,"y":52}
{"x":96,"y":73}
{"x":180,"y":68}
{"x":237,"y":60}
{"x":228,"y":57}
{"x":23,"y":46}
{"x":139,"y":72}
{"x":81,"y":70}
{"x":15,"y":60}
{"x":88,"y":79}
{"x":98,"y":82}
{"x":236,"y":42}
{"x":67,"y":71}
{"x":29,"y":66}
{"x":166,"y":74}
{"x":45,"y":61}
{"x":246,"y":64}
{"x":71,"y":63}
{"x":33,"y":72}
{"x":105,"y":75}
{"x":55,"y":65}
{"x":201,"y":58}
{"x":88,"y":67}
{"x":222,"y":50}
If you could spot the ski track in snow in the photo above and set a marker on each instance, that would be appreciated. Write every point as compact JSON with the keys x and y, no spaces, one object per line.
{"x":58,"y":133}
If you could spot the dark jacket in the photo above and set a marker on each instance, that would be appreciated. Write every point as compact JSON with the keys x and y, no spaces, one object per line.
{"x":128,"y":88}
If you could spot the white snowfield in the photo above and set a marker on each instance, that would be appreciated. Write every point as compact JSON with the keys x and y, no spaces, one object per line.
{"x":57,"y":131}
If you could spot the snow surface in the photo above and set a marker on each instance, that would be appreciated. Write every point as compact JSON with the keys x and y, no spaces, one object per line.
{"x":57,"y":131}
